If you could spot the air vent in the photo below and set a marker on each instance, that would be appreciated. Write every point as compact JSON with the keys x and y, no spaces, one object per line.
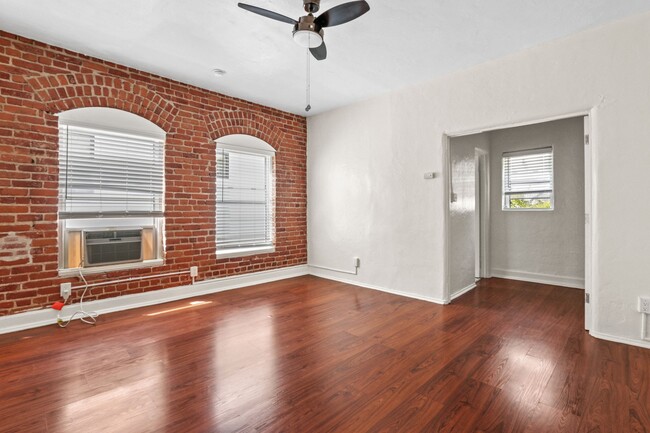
{"x":107,"y":247}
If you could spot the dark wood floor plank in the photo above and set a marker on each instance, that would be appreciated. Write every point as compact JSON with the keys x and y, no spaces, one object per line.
{"x":461,"y":411}
{"x":313,"y":355}
{"x":545,"y":419}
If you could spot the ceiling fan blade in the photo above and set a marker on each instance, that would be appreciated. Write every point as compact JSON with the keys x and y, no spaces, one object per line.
{"x":342,"y":13}
{"x":320,"y":52}
{"x":266,"y":13}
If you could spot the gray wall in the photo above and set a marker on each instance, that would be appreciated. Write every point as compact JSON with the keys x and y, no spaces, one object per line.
{"x":541,"y":244}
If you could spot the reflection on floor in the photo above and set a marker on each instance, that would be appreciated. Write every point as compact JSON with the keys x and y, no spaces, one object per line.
{"x":313,"y":355}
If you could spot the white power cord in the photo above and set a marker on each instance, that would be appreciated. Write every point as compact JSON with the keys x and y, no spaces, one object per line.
{"x":644,"y":325}
{"x":86,"y":317}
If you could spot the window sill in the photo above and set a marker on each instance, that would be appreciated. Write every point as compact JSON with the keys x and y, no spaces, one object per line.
{"x":241,"y":252}
{"x":74,"y":272}
{"x":518,"y":209}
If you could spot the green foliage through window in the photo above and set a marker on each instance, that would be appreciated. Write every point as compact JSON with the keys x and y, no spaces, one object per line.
{"x":520,"y":203}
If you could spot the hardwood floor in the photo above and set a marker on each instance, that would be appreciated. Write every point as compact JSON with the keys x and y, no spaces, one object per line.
{"x":311,"y":355}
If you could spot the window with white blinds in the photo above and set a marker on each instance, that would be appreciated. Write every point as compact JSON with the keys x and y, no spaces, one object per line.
{"x":244,"y":198}
{"x":528,"y":179}
{"x":107,"y":173}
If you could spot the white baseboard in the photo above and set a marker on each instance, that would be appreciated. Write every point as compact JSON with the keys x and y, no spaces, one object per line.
{"x":554,"y":280}
{"x":47,"y":316}
{"x":462,"y":291}
{"x":623,"y":340}
{"x":330,"y":276}
{"x":34,"y":319}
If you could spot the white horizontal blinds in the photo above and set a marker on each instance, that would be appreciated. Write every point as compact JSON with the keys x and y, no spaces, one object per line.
{"x":528,"y":175}
{"x":104,"y":173}
{"x":244,"y":208}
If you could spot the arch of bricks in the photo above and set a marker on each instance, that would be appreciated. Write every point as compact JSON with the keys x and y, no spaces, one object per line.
{"x":221,"y":123}
{"x":62,"y":92}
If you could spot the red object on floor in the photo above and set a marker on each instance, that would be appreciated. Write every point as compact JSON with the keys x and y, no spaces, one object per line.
{"x":58,"y":305}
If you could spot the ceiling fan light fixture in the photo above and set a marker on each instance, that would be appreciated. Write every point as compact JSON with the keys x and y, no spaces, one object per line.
{"x":307,"y":38}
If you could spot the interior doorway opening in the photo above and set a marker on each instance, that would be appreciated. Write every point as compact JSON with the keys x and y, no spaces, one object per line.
{"x":519,"y":205}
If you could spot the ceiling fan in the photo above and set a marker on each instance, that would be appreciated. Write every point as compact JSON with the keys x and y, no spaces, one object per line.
{"x":308,"y":30}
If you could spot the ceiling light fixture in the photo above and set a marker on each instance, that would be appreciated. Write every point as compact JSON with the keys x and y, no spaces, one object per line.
{"x":308,"y":29}
{"x":307,"y":38}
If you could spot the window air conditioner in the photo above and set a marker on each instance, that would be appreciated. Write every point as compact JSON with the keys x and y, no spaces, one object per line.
{"x":107,"y":247}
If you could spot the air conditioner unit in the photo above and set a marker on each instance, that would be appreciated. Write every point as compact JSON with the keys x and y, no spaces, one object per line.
{"x":107,"y":247}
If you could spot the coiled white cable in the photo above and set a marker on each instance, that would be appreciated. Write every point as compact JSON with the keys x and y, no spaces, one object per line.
{"x":89,"y":317}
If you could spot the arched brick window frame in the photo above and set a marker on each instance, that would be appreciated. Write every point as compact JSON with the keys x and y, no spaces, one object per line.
{"x":222,"y":123}
{"x":64,"y":92}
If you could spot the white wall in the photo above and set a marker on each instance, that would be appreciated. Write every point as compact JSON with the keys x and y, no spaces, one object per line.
{"x":367,"y":196}
{"x":462,"y":210}
{"x":541,"y":245}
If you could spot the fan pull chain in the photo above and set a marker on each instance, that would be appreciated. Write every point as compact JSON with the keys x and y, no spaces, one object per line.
{"x":308,"y":90}
{"x":308,"y":75}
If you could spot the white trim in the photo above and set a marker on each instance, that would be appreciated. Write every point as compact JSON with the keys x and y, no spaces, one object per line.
{"x":478,"y":212}
{"x":245,"y":251}
{"x":154,"y":133}
{"x":245,"y":142}
{"x":517,"y":124}
{"x":319,"y":273}
{"x":554,"y":280}
{"x":342,"y":271}
{"x":98,"y":127}
{"x":74,"y":272}
{"x":622,"y":340}
{"x":482,"y":224}
{"x":589,"y":232}
{"x":247,"y":149}
{"x":34,"y":319}
{"x":463,"y":291}
{"x":446,"y":217}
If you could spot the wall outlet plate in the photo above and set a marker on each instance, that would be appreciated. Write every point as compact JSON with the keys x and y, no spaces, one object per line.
{"x":194,"y":271}
{"x":66,"y":290}
{"x":644,"y":304}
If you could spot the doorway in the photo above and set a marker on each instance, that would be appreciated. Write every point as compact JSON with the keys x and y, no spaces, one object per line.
{"x":507,"y":221}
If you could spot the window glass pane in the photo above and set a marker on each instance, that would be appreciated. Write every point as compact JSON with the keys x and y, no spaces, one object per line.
{"x":528,"y":179}
{"x":244,"y":214}
{"x":108,"y":172}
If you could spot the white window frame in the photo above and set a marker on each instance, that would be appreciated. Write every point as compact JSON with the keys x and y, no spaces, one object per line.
{"x":111,"y":221}
{"x":259,"y":148}
{"x":505,"y":195}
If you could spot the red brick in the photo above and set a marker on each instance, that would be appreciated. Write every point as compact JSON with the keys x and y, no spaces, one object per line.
{"x":38,"y":81}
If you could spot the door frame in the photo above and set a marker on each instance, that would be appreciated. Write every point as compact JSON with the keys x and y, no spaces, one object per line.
{"x":590,"y":147}
{"x":482,"y":210}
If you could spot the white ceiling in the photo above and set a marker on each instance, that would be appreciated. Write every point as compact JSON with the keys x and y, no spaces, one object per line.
{"x":397,"y":43}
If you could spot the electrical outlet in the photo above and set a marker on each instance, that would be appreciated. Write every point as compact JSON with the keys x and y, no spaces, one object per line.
{"x":66,"y":290}
{"x":644,"y":304}
{"x":194,"y":271}
{"x":357,"y":262}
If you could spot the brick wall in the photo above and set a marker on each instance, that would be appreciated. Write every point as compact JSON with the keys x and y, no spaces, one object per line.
{"x":38,"y":81}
